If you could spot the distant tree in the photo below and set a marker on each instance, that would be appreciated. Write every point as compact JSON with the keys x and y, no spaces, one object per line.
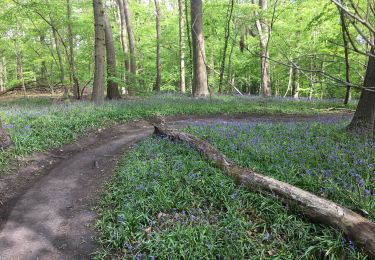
{"x":3,"y":73}
{"x":133,"y":65}
{"x":57,"y":41}
{"x":264,"y":33}
{"x":295,"y":82}
{"x":182,"y":46}
{"x":112,"y":86}
{"x":158,"y":62}
{"x":71,"y":57}
{"x":124,"y":44}
{"x":98,"y":87}
{"x":19,"y":61}
{"x":200,"y":85}
{"x":226,"y":38}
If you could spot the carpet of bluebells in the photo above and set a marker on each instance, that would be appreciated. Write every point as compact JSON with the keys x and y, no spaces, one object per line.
{"x":40,"y":124}
{"x":318,"y":157}
{"x":166,"y":202}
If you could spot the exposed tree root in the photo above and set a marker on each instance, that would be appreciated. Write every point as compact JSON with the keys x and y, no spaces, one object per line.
{"x":317,"y":209}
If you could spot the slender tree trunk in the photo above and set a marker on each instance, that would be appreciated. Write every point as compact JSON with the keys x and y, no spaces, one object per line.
{"x":226,"y":38}
{"x":98,"y":87}
{"x":112,"y":86}
{"x":19,"y":64}
{"x":295,"y":83}
{"x":289,"y":81}
{"x":20,"y":76}
{"x":230,"y":76}
{"x":188,"y":27}
{"x":72,"y":66}
{"x":124,"y":45}
{"x":2,"y":74}
{"x":182,"y":46}
{"x":200,"y":87}
{"x":59,"y":56}
{"x":133,"y":65}
{"x":42,"y":79}
{"x":364,"y":117}
{"x":264,"y":32}
{"x":346,"y":51}
{"x":312,"y":79}
{"x":158,"y":62}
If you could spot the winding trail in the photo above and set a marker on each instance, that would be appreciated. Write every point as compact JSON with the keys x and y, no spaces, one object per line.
{"x":46,"y":207}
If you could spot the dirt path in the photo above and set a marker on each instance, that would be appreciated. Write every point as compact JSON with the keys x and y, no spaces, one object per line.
{"x":46,"y":207}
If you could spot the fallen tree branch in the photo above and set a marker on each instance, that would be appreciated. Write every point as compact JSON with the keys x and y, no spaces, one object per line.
{"x":357,"y":228}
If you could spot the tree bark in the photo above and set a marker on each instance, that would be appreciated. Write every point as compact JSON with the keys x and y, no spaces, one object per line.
{"x":42,"y":79}
{"x":158,"y":32}
{"x":72,"y":66}
{"x":124,"y":45}
{"x":2,"y":73}
{"x":59,"y":56}
{"x":188,"y":33}
{"x":295,"y":82}
{"x":346,"y":52}
{"x":264,"y":32}
{"x":19,"y":63}
{"x":364,"y":117}
{"x":182,"y":46}
{"x":112,"y":86}
{"x":356,"y":227}
{"x":200,"y":87}
{"x":226,"y":38}
{"x":5,"y":140}
{"x":98,"y":87}
{"x":133,"y":65}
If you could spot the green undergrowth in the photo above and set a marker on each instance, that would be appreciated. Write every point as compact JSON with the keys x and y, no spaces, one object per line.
{"x":42,"y":124}
{"x":167,"y":202}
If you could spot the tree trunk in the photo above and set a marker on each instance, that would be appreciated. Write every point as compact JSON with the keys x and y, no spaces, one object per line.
{"x":295,"y":82}
{"x":98,"y":87}
{"x":158,"y":63}
{"x":364,"y":117}
{"x":19,"y":64}
{"x":182,"y":46}
{"x":133,"y":65}
{"x":318,"y":209}
{"x":263,"y":31}
{"x":2,"y":74}
{"x":59,"y":56}
{"x":72,"y":66}
{"x":124,"y":45}
{"x":346,"y":52}
{"x":226,"y":38}
{"x":42,"y":79}
{"x":5,"y":140}
{"x":20,"y":76}
{"x":188,"y":33}
{"x":112,"y":86}
{"x":200,"y":87}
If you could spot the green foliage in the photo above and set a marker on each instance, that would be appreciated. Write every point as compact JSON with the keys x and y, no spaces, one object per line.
{"x":165,"y":201}
{"x":306,"y":33}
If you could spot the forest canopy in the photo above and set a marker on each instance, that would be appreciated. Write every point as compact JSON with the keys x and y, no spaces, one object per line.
{"x":50,"y":43}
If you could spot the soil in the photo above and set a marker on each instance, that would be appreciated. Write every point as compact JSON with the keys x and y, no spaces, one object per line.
{"x":46,"y":206}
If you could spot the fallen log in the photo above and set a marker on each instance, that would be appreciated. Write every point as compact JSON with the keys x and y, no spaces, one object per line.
{"x":359,"y":229}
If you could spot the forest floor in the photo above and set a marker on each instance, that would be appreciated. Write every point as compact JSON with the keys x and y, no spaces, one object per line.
{"x":46,"y":205}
